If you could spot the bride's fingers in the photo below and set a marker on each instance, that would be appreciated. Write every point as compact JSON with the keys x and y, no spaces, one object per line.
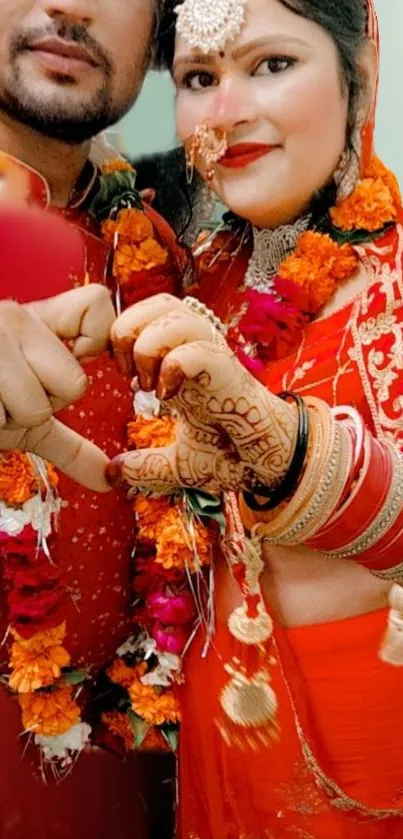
{"x":209,"y":366}
{"x":129,"y":325}
{"x":167,"y":332}
{"x":147,"y":469}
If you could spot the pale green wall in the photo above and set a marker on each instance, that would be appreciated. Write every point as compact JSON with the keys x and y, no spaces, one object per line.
{"x":150,"y":125}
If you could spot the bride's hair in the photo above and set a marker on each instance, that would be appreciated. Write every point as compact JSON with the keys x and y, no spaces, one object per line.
{"x":344,"y":20}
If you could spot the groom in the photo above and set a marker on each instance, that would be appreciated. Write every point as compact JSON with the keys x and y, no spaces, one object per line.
{"x":68,"y":69}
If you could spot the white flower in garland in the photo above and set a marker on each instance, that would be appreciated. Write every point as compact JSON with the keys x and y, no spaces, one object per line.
{"x":36,"y":512}
{"x":13,"y":520}
{"x":66,"y":745}
{"x":146,"y":405}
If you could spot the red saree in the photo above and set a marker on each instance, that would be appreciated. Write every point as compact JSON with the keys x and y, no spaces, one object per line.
{"x":336,"y":769}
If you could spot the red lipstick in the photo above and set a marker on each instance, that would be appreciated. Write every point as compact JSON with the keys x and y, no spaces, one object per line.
{"x":243,"y":154}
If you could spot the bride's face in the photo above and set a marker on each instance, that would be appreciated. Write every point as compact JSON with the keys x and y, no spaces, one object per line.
{"x":279,"y":85}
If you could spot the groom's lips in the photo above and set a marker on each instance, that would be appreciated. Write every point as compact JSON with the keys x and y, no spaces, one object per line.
{"x":63,"y":57}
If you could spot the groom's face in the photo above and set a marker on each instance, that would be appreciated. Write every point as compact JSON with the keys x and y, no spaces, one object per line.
{"x":69,"y":68}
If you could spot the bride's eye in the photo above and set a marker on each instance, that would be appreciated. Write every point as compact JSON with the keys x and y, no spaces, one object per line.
{"x":199,"y":80}
{"x":276,"y":64}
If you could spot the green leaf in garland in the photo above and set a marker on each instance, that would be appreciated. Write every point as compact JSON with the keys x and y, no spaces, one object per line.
{"x":75,"y":677}
{"x":171,"y":735}
{"x":206,"y":507}
{"x":117,"y":191}
{"x":140,"y":729}
{"x":356,"y":237}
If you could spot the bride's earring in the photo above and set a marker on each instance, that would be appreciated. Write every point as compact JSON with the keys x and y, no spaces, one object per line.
{"x":348,"y":171}
{"x":190,"y":161}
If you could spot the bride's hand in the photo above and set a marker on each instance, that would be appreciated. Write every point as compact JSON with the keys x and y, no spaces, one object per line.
{"x":232,"y":433}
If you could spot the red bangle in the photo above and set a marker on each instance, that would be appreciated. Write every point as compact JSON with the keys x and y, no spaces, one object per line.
{"x":364,"y":503}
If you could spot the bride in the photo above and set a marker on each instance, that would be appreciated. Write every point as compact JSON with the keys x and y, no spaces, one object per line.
{"x":284,"y":363}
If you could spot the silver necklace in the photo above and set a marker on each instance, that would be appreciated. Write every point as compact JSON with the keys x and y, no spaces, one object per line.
{"x":270,"y":248}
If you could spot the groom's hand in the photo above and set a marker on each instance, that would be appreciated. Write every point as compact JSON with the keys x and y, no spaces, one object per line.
{"x":39,"y":376}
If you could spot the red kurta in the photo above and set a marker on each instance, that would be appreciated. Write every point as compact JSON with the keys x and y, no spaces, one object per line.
{"x":103,"y":797}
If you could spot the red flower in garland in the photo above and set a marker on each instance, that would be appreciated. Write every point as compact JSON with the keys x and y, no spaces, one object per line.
{"x":274,"y":325}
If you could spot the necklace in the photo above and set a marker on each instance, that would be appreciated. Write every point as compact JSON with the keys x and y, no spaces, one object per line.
{"x":270,"y":248}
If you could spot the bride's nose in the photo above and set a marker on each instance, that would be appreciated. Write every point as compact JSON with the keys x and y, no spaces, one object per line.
{"x":233,"y":105}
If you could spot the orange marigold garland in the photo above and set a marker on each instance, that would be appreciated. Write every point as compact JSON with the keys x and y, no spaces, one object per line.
{"x":173,"y":546}
{"x":138,"y":256}
{"x":374,"y":203}
{"x":41,"y":673}
{"x":40,"y":666}
{"x":271,"y":323}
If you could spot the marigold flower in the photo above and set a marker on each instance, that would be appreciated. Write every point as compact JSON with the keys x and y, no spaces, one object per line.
{"x":377,"y":169}
{"x":174,"y":545}
{"x":153,"y":707}
{"x":151,"y":433}
{"x":108,"y":230}
{"x":118,"y":165}
{"x":49,"y":713}
{"x":370,"y":207}
{"x":133,"y":225}
{"x":121,"y":674}
{"x":18,"y":481}
{"x":37,"y":662}
{"x":140,"y":257}
{"x":150,"y":513}
{"x":316,"y":266}
{"x":119,"y":725}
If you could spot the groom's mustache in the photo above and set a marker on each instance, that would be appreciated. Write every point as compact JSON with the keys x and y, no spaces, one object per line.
{"x":67,"y":31}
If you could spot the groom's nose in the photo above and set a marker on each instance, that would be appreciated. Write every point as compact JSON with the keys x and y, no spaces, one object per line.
{"x":83,"y":11}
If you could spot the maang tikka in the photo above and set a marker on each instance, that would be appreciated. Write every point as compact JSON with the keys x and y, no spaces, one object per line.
{"x":207,"y":25}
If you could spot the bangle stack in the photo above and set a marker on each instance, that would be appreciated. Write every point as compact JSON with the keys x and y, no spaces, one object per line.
{"x":348,"y":504}
{"x":292,"y":477}
{"x":322,"y":485}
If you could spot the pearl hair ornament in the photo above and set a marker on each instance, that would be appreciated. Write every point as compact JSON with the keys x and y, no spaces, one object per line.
{"x":208,"y":25}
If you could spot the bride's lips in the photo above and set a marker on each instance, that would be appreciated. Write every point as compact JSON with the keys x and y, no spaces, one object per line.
{"x":242,"y":154}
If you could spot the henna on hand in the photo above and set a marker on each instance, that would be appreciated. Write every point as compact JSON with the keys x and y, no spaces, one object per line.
{"x":232,"y":433}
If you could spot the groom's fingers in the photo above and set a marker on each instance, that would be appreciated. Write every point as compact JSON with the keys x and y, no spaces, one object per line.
{"x":78,"y":458}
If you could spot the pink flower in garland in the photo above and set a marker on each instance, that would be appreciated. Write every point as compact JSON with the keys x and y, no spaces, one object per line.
{"x":273,"y":325}
{"x":171,"y":639}
{"x":170,"y":608}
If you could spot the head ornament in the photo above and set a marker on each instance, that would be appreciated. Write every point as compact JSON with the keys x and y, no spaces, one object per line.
{"x":207,"y":25}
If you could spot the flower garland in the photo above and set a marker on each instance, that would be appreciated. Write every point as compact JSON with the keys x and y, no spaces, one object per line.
{"x":271,"y":323}
{"x":167,"y":556}
{"x":41,"y":674}
{"x":174,"y":547}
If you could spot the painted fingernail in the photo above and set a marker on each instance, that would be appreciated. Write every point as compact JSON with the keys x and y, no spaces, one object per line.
{"x":170,"y":381}
{"x":124,"y":362}
{"x":115,"y":473}
{"x":147,"y":370}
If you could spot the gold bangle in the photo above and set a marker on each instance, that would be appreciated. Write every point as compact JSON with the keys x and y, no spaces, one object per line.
{"x":274,"y":530}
